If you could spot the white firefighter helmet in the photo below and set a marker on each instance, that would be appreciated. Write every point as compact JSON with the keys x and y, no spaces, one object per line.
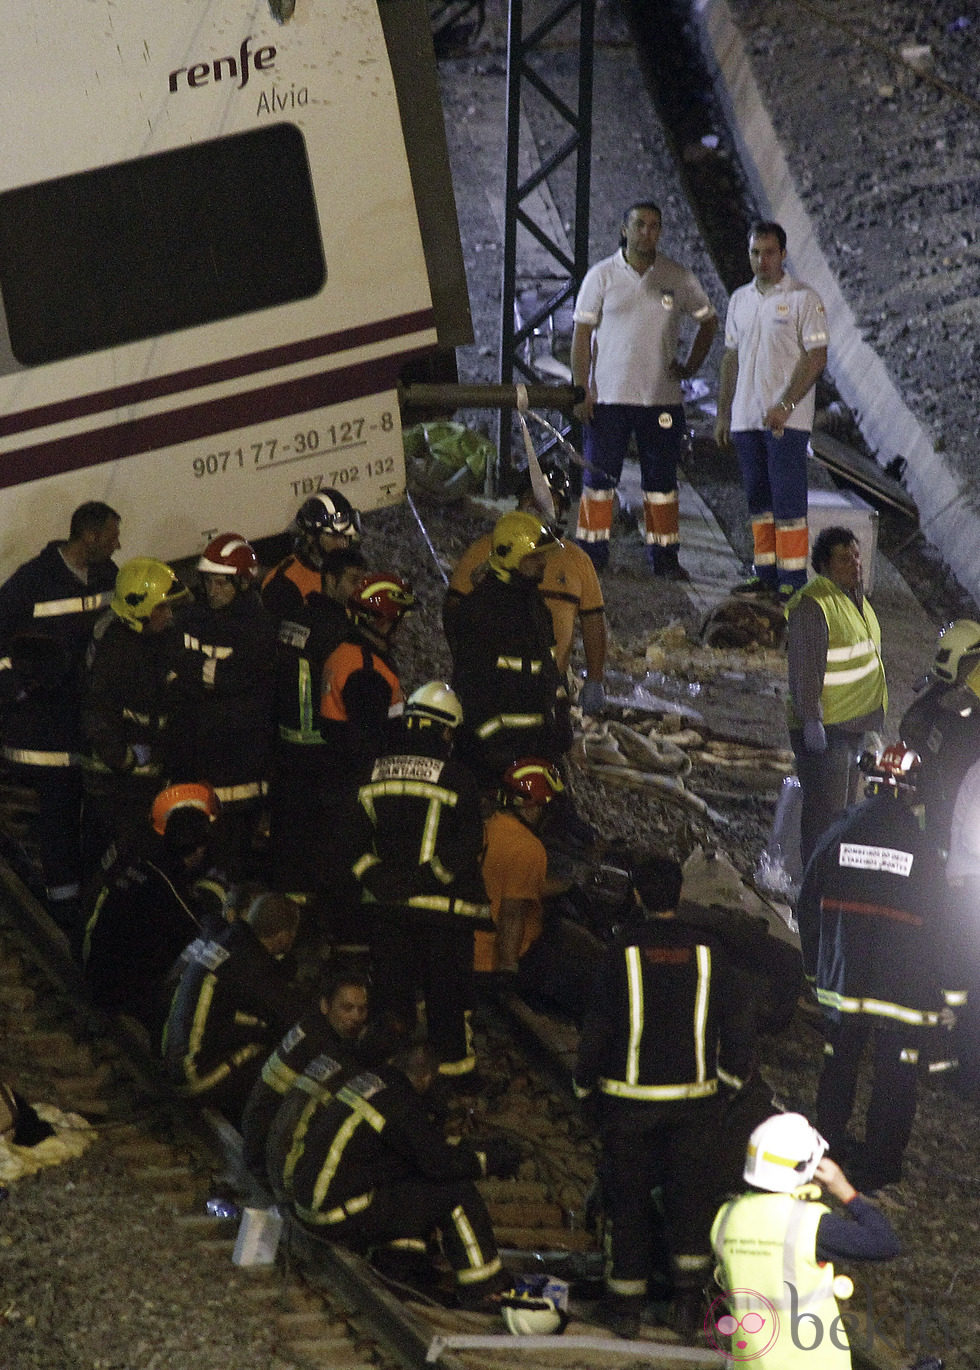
{"x":531,"y":1315}
{"x":958,"y":643}
{"x":435,"y":702}
{"x":783,"y":1153}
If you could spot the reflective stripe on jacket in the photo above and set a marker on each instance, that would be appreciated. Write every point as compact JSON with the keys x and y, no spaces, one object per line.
{"x":854,"y":679}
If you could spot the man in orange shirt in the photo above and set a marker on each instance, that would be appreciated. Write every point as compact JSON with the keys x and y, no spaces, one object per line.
{"x":525,"y":952}
{"x":570,"y":586}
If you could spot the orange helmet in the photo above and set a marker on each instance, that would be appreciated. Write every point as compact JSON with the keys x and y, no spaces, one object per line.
{"x":197,"y":794}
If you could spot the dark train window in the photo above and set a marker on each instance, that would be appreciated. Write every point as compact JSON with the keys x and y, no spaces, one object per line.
{"x":169,"y":241}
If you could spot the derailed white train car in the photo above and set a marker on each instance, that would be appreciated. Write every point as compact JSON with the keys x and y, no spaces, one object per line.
{"x":211,"y":263}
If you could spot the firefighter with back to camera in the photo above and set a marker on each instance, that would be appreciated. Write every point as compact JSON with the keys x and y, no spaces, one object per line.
{"x":47,"y":611}
{"x":569,"y":587}
{"x":421,"y":878}
{"x":666,"y":1032}
{"x":150,"y":905}
{"x":883,"y":959}
{"x":223,"y":688}
{"x":504,"y":667}
{"x":361,"y":698}
{"x":127,"y":702}
{"x":775,"y":1249}
{"x":942,"y":724}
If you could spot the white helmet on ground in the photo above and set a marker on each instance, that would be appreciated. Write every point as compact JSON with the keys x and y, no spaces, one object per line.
{"x":531,"y":1315}
{"x":783,"y":1153}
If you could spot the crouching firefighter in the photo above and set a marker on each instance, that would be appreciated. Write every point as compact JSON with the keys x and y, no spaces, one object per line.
{"x":375,"y":1168}
{"x":421,"y":876}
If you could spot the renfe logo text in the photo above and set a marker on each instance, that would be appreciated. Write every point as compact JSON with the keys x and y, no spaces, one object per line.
{"x":204,"y":73}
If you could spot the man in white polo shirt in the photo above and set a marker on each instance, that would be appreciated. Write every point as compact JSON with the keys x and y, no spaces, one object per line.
{"x":775,"y":348}
{"x":624,"y":355}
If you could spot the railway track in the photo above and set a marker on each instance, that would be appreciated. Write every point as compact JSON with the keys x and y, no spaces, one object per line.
{"x":181,"y":1170}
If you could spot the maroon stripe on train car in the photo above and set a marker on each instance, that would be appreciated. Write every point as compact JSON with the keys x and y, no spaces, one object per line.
{"x":326,"y":345}
{"x":149,"y":434}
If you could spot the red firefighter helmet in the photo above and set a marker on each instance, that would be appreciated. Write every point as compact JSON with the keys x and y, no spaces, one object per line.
{"x":896,"y":769}
{"x":229,"y":555}
{"x":531,"y":780}
{"x":381,"y":598}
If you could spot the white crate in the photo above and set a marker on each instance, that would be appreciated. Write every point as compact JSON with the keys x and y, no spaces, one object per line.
{"x":842,"y":509}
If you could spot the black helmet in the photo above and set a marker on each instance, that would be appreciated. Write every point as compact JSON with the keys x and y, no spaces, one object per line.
{"x":327,"y":511}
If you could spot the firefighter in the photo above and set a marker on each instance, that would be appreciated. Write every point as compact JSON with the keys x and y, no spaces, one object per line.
{"x":149,"y":907}
{"x":223,"y":687}
{"x":504,"y":667}
{"x":327,"y":522}
{"x":665,"y":1030}
{"x":375,"y":1168}
{"x":570,"y":586}
{"x":299,"y":783}
{"x":330,"y":1027}
{"x":837,"y":690}
{"x":233,"y":1003}
{"x":527,"y":951}
{"x":361,"y":699}
{"x":882,"y":958}
{"x":775,"y":1249}
{"x":942,"y":724}
{"x":421,"y":876}
{"x":47,"y":610}
{"x":127,"y":702}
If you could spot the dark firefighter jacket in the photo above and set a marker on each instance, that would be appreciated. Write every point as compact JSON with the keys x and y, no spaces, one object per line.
{"x":360,"y":697}
{"x":127,"y":697}
{"x":876,"y":940}
{"x":233,"y":1003}
{"x":143,"y":916}
{"x":46,"y":620}
{"x":666,"y":1021}
{"x":224,"y":663}
{"x":310,"y":1039}
{"x":374,"y":1130}
{"x":288,"y":585}
{"x":286,"y":1136}
{"x":426,"y":833}
{"x":307,"y":636}
{"x":942,"y":724}
{"x":504,"y":671}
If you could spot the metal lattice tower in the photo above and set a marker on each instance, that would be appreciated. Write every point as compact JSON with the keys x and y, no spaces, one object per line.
{"x":543,"y":266}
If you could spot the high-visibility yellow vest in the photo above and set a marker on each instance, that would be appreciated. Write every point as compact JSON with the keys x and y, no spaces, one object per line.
{"x":783,"y":1299}
{"x":854,"y":679}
